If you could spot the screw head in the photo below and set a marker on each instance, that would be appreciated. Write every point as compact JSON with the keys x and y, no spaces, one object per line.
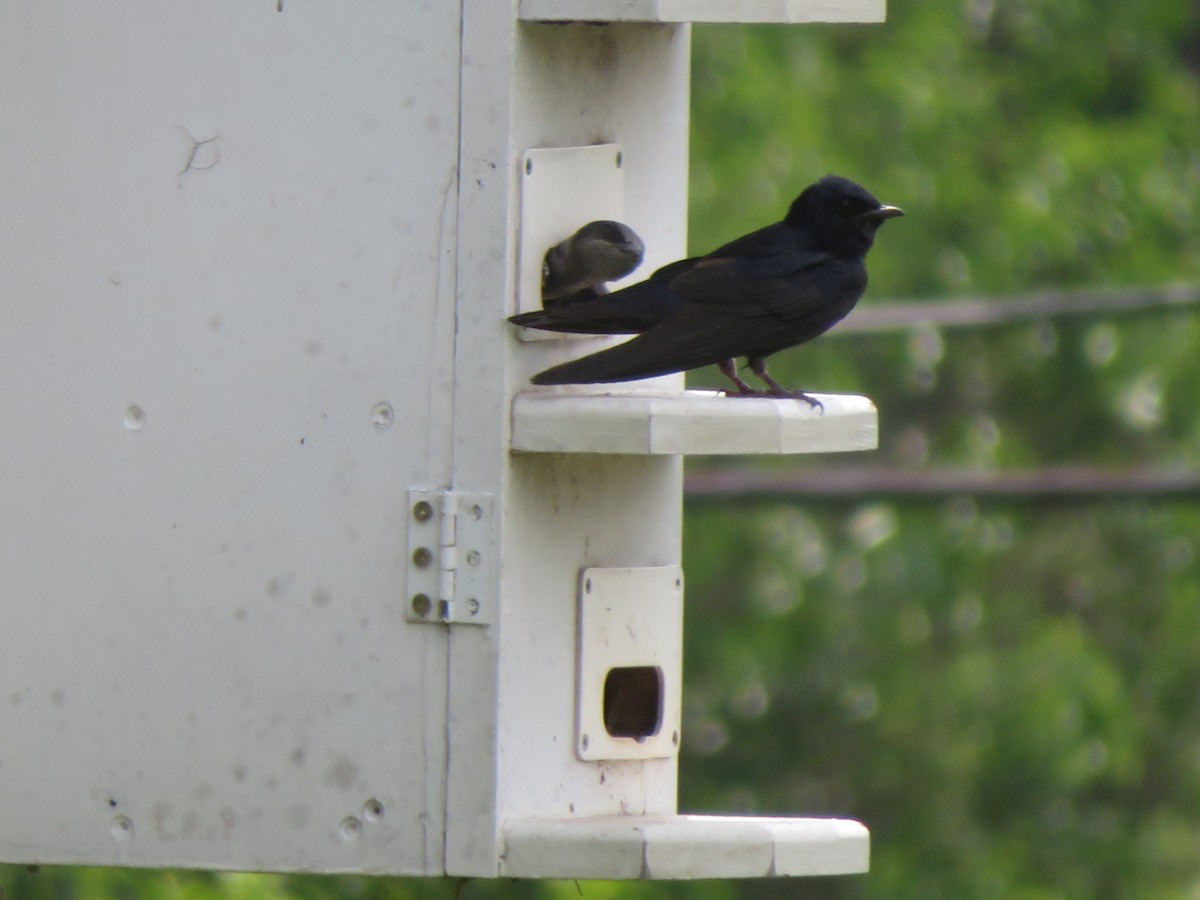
{"x":422,"y":557}
{"x":422,"y":511}
{"x":421,"y":605}
{"x":473,"y":606}
{"x":372,"y":810}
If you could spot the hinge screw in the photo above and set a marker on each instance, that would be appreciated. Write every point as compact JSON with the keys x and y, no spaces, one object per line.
{"x":473,"y":606}
{"x":421,"y":605}
{"x":422,"y":557}
{"x":423,"y":511}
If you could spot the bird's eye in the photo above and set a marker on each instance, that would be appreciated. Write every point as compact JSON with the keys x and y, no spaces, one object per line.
{"x":845,"y":204}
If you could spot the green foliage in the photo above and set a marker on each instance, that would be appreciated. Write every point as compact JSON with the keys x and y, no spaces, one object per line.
{"x":999,"y":692}
{"x":1032,"y":143}
{"x":1006,"y":694}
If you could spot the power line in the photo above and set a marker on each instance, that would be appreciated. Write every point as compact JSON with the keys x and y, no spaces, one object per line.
{"x":840,"y":483}
{"x":851,"y":483}
{"x":957,"y":312}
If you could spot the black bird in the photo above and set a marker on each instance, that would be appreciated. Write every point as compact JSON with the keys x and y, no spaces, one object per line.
{"x":576,"y":269}
{"x":769,"y":290}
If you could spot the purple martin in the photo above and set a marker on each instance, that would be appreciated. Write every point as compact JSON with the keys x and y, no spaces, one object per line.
{"x":577,"y":268}
{"x":774,"y":288}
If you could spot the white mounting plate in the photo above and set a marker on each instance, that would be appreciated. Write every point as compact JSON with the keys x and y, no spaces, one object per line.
{"x":622,"y":847}
{"x":780,"y":11}
{"x":691,"y":422}
{"x":562,"y":189}
{"x":629,"y":617}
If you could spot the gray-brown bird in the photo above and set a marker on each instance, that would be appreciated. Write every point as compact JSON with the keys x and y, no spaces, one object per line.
{"x":579,"y":267}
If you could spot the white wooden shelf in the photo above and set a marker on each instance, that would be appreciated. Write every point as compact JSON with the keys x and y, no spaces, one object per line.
{"x":691,"y":422}
{"x":626,"y":847}
{"x":778,"y":11}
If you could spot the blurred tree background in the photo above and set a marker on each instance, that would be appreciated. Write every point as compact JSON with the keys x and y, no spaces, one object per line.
{"x":1007,"y":691}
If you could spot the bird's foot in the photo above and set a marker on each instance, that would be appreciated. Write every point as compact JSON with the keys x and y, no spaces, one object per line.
{"x":758,"y":365}
{"x":787,"y":394}
{"x":744,"y":392}
{"x":777,"y":394}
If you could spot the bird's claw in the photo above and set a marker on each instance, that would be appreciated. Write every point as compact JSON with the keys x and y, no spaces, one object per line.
{"x":780,"y":394}
{"x":785,"y":394}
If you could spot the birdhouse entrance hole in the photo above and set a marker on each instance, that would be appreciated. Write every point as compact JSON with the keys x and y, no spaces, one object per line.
{"x":630,"y":661}
{"x":633,"y":702}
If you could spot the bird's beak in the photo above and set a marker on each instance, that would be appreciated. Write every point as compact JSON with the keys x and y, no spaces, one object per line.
{"x":882,"y":214}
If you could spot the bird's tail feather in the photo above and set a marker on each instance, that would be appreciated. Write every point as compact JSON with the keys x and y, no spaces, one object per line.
{"x":570,"y":321}
{"x":630,"y":311}
{"x":688,"y":342}
{"x":613,"y":364}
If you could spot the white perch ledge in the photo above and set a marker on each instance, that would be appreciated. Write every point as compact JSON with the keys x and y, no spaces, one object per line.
{"x":779,"y":11}
{"x":627,"y":847}
{"x":691,"y":422}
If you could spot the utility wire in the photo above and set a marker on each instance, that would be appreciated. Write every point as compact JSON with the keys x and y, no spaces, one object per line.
{"x":842,"y":483}
{"x":959,"y":312}
{"x":1066,"y":483}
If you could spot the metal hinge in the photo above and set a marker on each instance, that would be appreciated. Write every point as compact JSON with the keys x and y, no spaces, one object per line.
{"x":451,"y":558}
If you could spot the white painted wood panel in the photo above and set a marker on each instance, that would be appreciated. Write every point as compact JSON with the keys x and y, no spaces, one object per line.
{"x":566,"y":86}
{"x":226,"y":341}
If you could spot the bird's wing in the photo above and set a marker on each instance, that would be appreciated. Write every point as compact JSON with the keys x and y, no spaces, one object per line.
{"x":785,"y":285}
{"x":624,"y":312}
{"x":695,"y":336}
{"x":763,"y":243}
{"x":631,"y":310}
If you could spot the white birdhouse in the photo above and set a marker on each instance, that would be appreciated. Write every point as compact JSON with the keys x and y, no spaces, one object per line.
{"x":297,"y":572}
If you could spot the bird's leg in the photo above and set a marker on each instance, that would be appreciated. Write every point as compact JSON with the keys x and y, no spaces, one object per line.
{"x":729,"y":370}
{"x":758,"y":365}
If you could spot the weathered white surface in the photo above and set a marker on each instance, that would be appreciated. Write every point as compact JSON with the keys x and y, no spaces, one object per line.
{"x":622,"y":847}
{"x":691,"y":422}
{"x":629,"y":617}
{"x":562,"y":189}
{"x":226,"y":239}
{"x":485,"y":277}
{"x":782,"y":11}
{"x":571,"y":85}
{"x":254,"y":293}
{"x":511,"y":739}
